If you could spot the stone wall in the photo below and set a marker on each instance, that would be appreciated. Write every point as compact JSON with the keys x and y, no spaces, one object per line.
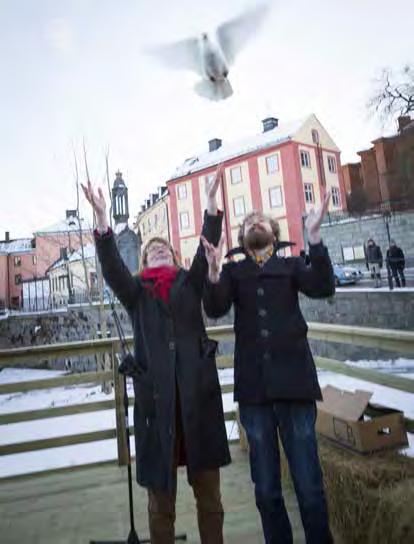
{"x":70,"y":325}
{"x":381,"y":309}
{"x":355,"y":232}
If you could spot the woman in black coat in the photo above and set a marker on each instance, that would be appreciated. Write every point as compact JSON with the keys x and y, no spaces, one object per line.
{"x":178,"y":411}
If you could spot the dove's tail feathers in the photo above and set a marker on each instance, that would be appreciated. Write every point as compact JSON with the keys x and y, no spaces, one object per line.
{"x":219,"y":90}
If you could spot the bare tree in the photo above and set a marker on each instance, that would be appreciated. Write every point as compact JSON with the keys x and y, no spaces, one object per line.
{"x":85,"y":271}
{"x":105,"y":361}
{"x":394,"y":94}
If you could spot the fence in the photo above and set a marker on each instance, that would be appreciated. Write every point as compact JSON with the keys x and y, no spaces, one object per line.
{"x":395,"y":340}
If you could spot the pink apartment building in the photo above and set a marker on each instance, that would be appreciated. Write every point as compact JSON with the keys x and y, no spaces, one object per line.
{"x":283,"y":171}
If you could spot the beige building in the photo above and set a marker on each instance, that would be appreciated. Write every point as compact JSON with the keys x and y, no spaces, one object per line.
{"x":67,"y":277}
{"x":153,"y":219}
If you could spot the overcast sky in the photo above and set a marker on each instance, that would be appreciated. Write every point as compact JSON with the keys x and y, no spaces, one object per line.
{"x":76,"y":69}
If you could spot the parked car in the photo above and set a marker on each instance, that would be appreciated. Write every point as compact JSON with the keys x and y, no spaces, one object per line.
{"x":346,"y":275}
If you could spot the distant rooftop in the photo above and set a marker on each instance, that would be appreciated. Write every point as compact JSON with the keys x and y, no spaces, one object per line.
{"x":69,"y":224}
{"x":22,"y":245}
{"x":277,"y":135}
{"x":89,"y":253}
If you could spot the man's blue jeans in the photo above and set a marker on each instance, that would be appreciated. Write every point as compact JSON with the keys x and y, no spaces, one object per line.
{"x":295,"y":422}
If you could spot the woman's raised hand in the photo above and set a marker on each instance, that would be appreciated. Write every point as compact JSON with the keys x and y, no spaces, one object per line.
{"x":213,"y":256}
{"x":211,"y":191}
{"x":97,"y":201}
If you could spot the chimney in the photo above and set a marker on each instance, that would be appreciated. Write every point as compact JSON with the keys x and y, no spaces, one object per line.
{"x":70,"y":213}
{"x":7,"y":236}
{"x":403,"y":121}
{"x":214,"y":144}
{"x":269,"y":123}
{"x":64,"y":253}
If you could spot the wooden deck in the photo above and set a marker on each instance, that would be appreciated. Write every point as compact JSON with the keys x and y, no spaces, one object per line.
{"x":86,"y":504}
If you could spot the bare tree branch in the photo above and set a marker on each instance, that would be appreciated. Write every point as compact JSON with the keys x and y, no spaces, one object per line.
{"x":394,"y":94}
{"x":85,"y":270}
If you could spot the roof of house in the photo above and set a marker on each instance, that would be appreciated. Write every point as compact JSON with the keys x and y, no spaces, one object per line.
{"x":66,"y":225}
{"x":277,"y":135}
{"x":22,"y":245}
{"x":89,"y":253}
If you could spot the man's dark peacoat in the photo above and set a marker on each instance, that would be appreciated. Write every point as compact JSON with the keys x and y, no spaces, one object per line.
{"x":272,"y":358}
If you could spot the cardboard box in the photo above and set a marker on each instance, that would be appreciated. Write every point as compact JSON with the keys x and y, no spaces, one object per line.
{"x":351,"y":421}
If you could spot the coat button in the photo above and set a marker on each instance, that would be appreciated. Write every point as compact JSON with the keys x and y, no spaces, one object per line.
{"x":260,"y":291}
{"x":262,"y":312}
{"x":264,"y":333}
{"x":266,"y":356}
{"x":171,"y":346}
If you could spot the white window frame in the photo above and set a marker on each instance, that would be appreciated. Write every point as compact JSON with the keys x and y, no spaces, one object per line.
{"x":184,"y":223}
{"x":272,"y":159}
{"x":236,"y":210}
{"x":308,"y":190}
{"x":235,"y":180}
{"x":182,"y":191}
{"x":336,"y":197}
{"x":275,"y":191}
{"x":332,"y":164}
{"x":305,"y":159}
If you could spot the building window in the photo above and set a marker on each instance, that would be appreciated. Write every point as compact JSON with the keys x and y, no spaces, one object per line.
{"x":236,"y":175}
{"x":184,"y":220}
{"x":315,"y":136}
{"x":17,"y":279}
{"x":149,"y":224}
{"x":238,"y":206}
{"x":275,"y":197}
{"x":143,"y":229}
{"x":331,"y":164}
{"x":272,"y":164}
{"x":336,"y":198}
{"x":182,"y":191}
{"x":34,"y":259}
{"x":155,"y":221}
{"x":305,"y":159}
{"x":309,"y":196}
{"x":17,"y":261}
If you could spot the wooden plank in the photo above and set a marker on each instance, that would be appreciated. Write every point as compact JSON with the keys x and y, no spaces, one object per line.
{"x":57,"y":411}
{"x":387,"y":339}
{"x":57,"y":442}
{"x":61,"y":381}
{"x":70,"y":440}
{"x":225,"y":361}
{"x":16,"y":356}
{"x":227,"y":388}
{"x":367,"y":374}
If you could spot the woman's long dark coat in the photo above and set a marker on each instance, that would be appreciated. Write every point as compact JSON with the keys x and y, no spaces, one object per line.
{"x":172,"y":351}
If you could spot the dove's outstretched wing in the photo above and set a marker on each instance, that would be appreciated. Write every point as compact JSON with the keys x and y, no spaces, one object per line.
{"x":234,"y":34}
{"x":181,"y":55}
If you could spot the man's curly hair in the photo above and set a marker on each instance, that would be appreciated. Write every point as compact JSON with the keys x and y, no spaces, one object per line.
{"x":273,"y":223}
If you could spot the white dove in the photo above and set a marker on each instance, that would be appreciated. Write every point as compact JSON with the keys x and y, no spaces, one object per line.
{"x":211,"y":54}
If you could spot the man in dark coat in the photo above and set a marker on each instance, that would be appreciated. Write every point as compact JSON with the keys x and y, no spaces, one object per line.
{"x":396,"y":262}
{"x":178,"y":411}
{"x":374,"y":261}
{"x":275,"y":380}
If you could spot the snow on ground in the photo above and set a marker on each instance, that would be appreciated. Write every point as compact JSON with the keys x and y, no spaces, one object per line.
{"x":107,"y":449}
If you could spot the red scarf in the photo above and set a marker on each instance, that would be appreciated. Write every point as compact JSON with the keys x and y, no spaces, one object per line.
{"x":162,"y":278}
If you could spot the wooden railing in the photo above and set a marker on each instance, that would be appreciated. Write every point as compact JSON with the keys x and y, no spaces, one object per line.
{"x":395,"y":340}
